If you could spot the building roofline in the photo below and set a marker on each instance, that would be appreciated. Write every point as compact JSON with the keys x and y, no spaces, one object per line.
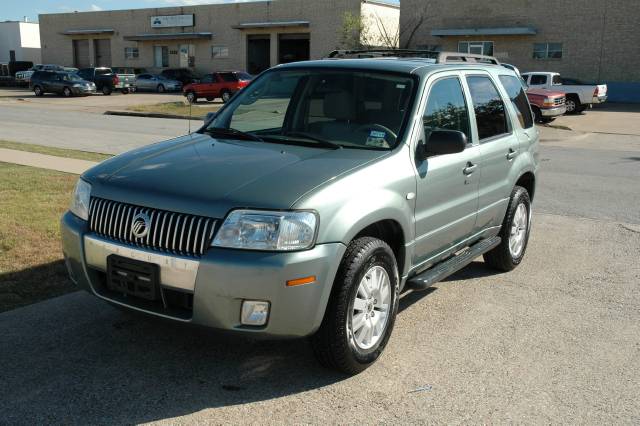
{"x":383,"y":3}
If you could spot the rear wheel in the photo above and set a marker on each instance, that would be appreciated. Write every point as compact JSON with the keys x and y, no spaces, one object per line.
{"x":37,"y":90}
{"x":160,"y":88}
{"x":514,"y":233}
{"x":362,"y":308}
{"x":106,"y":90}
{"x":192,"y":98}
{"x":226,"y":96}
{"x":66,"y":92}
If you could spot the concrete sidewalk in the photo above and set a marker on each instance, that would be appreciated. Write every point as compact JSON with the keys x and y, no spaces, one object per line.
{"x":43,"y":161}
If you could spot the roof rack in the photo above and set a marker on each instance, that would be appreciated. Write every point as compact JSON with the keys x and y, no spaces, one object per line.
{"x":435,"y":56}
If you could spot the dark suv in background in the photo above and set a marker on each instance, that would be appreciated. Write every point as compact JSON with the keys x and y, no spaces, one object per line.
{"x":60,"y":82}
{"x":183,"y":75}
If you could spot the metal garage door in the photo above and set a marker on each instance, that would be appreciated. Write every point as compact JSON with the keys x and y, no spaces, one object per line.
{"x":103,"y":52}
{"x":81,"y":53}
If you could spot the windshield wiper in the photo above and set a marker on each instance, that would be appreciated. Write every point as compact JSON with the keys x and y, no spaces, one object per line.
{"x":232,"y":133}
{"x":321,"y":142}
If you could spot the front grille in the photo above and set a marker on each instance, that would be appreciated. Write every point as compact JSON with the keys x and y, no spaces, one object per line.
{"x":169,"y":232}
{"x":559,"y":101}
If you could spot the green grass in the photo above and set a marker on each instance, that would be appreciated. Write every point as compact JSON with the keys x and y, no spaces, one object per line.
{"x":60,"y":152}
{"x":31,"y":203}
{"x":177,"y":108}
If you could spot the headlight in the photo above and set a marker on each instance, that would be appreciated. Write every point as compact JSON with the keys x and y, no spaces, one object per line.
{"x":267,"y":230}
{"x":78,"y":85}
{"x":80,"y":202}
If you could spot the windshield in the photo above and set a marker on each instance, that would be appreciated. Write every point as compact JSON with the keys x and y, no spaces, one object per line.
{"x":70,"y":77}
{"x":343,"y":108}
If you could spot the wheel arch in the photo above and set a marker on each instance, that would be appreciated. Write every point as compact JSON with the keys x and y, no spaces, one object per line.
{"x":528,"y":181}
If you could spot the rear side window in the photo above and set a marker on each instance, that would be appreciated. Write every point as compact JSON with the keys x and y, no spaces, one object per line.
{"x":519,"y":99}
{"x":538,"y":79}
{"x":557,"y":79}
{"x":227,"y":77}
{"x":488,"y":106}
{"x":207,"y":79}
{"x":446,"y":108}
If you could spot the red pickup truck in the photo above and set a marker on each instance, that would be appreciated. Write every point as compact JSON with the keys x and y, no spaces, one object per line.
{"x":217,"y":85}
{"x":546,"y":104}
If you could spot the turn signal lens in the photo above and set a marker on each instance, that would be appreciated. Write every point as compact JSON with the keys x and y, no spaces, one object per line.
{"x":301,"y":281}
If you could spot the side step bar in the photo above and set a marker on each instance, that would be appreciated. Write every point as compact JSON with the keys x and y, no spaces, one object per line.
{"x":445,"y":268}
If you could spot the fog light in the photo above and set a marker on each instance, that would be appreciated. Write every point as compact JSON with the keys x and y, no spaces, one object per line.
{"x":254,"y":312}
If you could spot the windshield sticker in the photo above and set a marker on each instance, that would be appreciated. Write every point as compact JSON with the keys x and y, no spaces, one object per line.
{"x":400,"y":86}
{"x":377,"y":139}
{"x":377,"y":134}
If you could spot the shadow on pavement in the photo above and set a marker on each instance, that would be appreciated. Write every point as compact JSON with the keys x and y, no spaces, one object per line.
{"x":75,"y":359}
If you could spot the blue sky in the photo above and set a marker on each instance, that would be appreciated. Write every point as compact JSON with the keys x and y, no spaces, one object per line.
{"x":14,"y":10}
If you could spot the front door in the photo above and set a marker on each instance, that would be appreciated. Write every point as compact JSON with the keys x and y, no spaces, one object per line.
{"x":498,"y":148}
{"x":447,"y":189}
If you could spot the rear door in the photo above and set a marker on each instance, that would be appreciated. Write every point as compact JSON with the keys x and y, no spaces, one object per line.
{"x":206,"y":87}
{"x":499,"y":147}
{"x":447,"y":185}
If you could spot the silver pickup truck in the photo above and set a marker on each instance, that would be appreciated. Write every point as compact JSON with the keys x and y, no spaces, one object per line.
{"x":579,"y":96}
{"x":312,"y":200}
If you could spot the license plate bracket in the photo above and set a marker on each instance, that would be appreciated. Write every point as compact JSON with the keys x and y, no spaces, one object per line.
{"x":133,"y":277}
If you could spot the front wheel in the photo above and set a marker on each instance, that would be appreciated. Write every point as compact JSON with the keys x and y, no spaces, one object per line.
{"x":160,"y":88}
{"x":226,"y":96}
{"x":66,"y":92}
{"x":362,"y":308}
{"x":514,"y":233}
{"x":37,"y":90}
{"x":106,"y":90}
{"x":192,"y":98}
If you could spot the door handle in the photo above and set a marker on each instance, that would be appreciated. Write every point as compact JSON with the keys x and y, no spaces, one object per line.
{"x":470,"y":168}
{"x":511,"y":154}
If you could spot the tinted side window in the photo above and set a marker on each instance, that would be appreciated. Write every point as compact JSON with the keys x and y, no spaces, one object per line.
{"x":518,"y":99}
{"x":446,"y":108}
{"x":207,"y":79}
{"x":538,"y":79}
{"x":557,"y":79}
{"x":227,"y":77}
{"x":488,"y":106}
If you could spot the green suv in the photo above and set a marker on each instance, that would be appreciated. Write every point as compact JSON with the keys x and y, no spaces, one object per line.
{"x":312,"y":200}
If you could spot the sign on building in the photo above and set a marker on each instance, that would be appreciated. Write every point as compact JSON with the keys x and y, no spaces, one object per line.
{"x":172,"y":21}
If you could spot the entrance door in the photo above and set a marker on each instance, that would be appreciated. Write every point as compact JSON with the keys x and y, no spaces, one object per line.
{"x":160,"y":56}
{"x":102,"y":49}
{"x":81,"y":53}
{"x":187,"y":56}
{"x":258,"y":53}
{"x":293,"y":48}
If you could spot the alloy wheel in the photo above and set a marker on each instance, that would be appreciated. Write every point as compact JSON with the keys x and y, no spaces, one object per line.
{"x":370,"y":312}
{"x":519,"y":228}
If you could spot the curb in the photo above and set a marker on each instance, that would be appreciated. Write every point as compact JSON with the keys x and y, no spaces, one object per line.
{"x":153,"y":115}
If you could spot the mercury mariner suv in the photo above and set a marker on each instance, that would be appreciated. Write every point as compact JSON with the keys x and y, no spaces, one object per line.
{"x":313,"y":199}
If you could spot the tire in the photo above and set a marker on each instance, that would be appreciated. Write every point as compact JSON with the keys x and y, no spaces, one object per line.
{"x":125,"y":91}
{"x":537,"y":115}
{"x":226,"y":96}
{"x":66,"y":92}
{"x":504,"y":257}
{"x":573,"y":104}
{"x":37,"y":90}
{"x":335,"y":344}
{"x":160,"y":88}
{"x":106,"y":90}
{"x":192,"y":98}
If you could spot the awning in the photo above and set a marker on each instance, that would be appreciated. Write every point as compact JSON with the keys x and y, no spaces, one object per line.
{"x":483,"y":31}
{"x":89,"y":31}
{"x":169,"y":36}
{"x":254,"y":25}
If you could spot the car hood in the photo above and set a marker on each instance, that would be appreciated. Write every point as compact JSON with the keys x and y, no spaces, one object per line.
{"x":202,"y":175}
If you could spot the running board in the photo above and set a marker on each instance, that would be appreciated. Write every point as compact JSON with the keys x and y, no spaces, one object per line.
{"x":443,"y":269}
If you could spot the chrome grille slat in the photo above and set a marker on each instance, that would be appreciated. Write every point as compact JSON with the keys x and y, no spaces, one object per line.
{"x":171,"y":232}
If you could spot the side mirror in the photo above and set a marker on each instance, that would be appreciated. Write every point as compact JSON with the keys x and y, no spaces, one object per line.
{"x":209,"y":117}
{"x":442,"y":142}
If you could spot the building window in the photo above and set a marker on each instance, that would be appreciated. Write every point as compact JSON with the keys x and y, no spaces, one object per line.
{"x":131,"y":53}
{"x":161,"y":56}
{"x":476,"y":47}
{"x":547,"y":51}
{"x":219,"y":52}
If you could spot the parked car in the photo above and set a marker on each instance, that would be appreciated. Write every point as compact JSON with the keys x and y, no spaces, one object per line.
{"x":60,"y":82}
{"x":546,"y":105}
{"x":157,"y":83}
{"x":183,"y":75}
{"x":578,"y":96}
{"x":309,"y":212}
{"x":129,"y":70}
{"x":107,"y":81}
{"x":222,"y":85}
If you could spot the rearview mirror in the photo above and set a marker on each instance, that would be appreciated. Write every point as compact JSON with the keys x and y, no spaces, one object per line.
{"x":442,"y":142}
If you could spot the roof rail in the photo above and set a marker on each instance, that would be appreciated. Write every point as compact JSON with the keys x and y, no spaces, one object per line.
{"x":435,"y":56}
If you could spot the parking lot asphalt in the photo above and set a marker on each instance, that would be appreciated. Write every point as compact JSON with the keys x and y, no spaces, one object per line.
{"x":555,"y":341}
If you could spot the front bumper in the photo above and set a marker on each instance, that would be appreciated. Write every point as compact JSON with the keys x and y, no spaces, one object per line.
{"x":554,"y":111}
{"x":218,"y":282}
{"x":83,"y":90}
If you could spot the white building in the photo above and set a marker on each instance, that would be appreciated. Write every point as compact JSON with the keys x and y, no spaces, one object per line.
{"x":19,"y":41}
